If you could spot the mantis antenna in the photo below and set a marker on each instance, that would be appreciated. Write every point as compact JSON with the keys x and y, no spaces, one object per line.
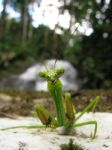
{"x":53,"y":66}
{"x":55,"y":63}
{"x":45,"y":67}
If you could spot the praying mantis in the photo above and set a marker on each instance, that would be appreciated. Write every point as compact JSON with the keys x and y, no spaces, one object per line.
{"x":65,"y":112}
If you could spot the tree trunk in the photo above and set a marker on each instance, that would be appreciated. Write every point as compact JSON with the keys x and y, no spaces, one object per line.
{"x":30,"y":28}
{"x":3,"y":23}
{"x":24,"y":21}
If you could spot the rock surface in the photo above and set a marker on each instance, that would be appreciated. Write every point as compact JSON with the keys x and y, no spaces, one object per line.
{"x":47,"y":139}
{"x":29,"y":80}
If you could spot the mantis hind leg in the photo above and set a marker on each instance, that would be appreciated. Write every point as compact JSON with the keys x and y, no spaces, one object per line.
{"x":95,"y":102}
{"x":92,"y":106}
{"x":88,"y":123}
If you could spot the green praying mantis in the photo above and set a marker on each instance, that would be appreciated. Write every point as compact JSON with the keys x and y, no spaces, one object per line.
{"x":65,"y":112}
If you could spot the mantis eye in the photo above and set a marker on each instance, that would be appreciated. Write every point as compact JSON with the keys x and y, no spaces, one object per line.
{"x":42,"y":74}
{"x":44,"y":115}
{"x":60,"y":71}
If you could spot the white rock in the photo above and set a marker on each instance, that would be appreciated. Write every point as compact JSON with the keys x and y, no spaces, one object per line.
{"x":46,"y":139}
{"x":69,"y":79}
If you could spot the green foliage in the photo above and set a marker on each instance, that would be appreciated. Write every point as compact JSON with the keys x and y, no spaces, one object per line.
{"x":44,"y":44}
{"x":92,"y":54}
{"x":72,"y":48}
{"x":95,"y":60}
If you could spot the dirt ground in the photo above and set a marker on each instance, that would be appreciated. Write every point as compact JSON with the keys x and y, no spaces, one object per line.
{"x":21,"y":103}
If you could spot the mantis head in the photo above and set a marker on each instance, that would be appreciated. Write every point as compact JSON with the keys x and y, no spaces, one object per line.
{"x":51,"y":74}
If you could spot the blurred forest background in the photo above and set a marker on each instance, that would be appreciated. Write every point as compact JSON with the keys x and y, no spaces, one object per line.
{"x":21,"y":43}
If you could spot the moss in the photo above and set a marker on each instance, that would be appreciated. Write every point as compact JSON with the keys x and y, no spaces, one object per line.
{"x":71,"y":146}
